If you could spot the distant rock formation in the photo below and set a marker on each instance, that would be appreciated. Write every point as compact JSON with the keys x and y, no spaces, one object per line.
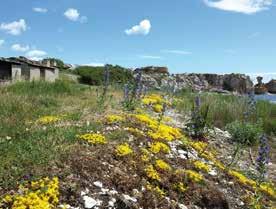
{"x":260,"y":87}
{"x":271,"y":86}
{"x":159,"y":77}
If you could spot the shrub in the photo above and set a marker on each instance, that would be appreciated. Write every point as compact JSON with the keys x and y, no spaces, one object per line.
{"x":270,"y":126}
{"x":94,"y":75}
{"x":244,"y":133}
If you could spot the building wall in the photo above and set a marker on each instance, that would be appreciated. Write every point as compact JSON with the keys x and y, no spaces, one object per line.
{"x":51,"y":75}
{"x":5,"y":71}
{"x":16,"y":72}
{"x":34,"y":73}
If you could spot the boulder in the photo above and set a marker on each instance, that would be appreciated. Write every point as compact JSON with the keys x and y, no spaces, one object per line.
{"x":260,"y":87}
{"x":271,"y":86}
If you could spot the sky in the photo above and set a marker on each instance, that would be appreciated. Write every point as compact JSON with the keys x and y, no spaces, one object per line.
{"x":214,"y":36}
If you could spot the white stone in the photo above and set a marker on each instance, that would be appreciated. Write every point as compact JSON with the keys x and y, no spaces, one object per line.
{"x":89,"y":202}
{"x":213,"y":173}
{"x":113,"y":191}
{"x":182,"y":156}
{"x":127,"y":197}
{"x":183,"y":152}
{"x":98,"y":184}
{"x":111,"y":202}
{"x":181,"y":206}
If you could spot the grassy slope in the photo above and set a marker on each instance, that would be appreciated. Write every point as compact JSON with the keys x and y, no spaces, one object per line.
{"x":28,"y":148}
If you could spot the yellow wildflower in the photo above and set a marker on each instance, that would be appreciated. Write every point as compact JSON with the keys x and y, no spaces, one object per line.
{"x":152,"y":173}
{"x":157,"y":147}
{"x":180,"y":187}
{"x":123,"y":150}
{"x":242,"y":178}
{"x":94,"y":138}
{"x":48,"y":119}
{"x":268,"y":189}
{"x":201,"y":166}
{"x":155,"y":189}
{"x":165,"y":132}
{"x":194,"y":176}
{"x":157,"y":108}
{"x":114,"y":119}
{"x":153,"y":99}
{"x":162,"y":165}
{"x":42,"y":194}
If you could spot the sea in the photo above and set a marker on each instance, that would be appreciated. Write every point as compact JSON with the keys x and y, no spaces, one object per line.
{"x":268,"y":97}
{"x":266,"y":78}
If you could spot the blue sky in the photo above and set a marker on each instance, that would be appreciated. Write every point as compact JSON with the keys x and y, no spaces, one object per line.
{"x":185,"y":35}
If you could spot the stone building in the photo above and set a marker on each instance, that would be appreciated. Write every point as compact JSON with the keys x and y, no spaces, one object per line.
{"x":21,"y":68}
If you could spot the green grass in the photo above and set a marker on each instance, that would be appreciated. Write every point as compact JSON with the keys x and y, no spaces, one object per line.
{"x":225,"y":109}
{"x":28,"y":148}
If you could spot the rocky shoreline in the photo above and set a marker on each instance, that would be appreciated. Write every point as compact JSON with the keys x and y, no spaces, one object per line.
{"x":160,"y":78}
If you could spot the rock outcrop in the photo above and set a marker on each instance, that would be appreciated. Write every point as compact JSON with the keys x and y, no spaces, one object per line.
{"x":260,"y":87}
{"x":271,"y":86}
{"x":159,"y":77}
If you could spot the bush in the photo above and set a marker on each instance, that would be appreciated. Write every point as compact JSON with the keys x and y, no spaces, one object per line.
{"x":244,"y":133}
{"x":270,"y":127}
{"x":94,"y":75}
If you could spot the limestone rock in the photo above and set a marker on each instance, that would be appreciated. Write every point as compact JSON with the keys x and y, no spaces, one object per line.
{"x":271,"y":86}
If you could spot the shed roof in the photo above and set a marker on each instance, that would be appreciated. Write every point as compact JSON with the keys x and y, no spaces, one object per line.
{"x":21,"y":60}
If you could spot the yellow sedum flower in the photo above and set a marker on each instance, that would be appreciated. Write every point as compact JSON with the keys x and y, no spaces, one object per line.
{"x":157,"y":147}
{"x":155,"y":189}
{"x":158,"y":108}
{"x":123,"y":150}
{"x":45,"y":120}
{"x":202,"y":166}
{"x":162,"y":165}
{"x":94,"y":138}
{"x":152,"y":99}
{"x":164,"y":132}
{"x":268,"y":189}
{"x":242,"y":178}
{"x":180,"y":187}
{"x":111,"y":119}
{"x":40,"y":194}
{"x":194,"y":176}
{"x":152,"y":173}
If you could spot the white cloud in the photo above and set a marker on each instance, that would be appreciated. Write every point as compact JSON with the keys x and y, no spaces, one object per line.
{"x":2,"y":42}
{"x":150,"y":57}
{"x":14,"y":28}
{"x":142,"y":29}
{"x":74,"y":15}
{"x":242,"y":6}
{"x":180,"y":52}
{"x":20,"y":48}
{"x":40,"y":10}
{"x":36,"y":54}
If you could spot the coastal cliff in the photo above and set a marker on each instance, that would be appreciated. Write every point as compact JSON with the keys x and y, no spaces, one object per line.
{"x":159,"y":77}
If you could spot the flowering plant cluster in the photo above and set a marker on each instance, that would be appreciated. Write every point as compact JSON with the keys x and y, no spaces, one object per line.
{"x":123,"y":150}
{"x":202,"y":166}
{"x":152,"y":173}
{"x":162,"y":165}
{"x":93,"y":138}
{"x":36,"y":195}
{"x":111,"y":119}
{"x":45,"y":120}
